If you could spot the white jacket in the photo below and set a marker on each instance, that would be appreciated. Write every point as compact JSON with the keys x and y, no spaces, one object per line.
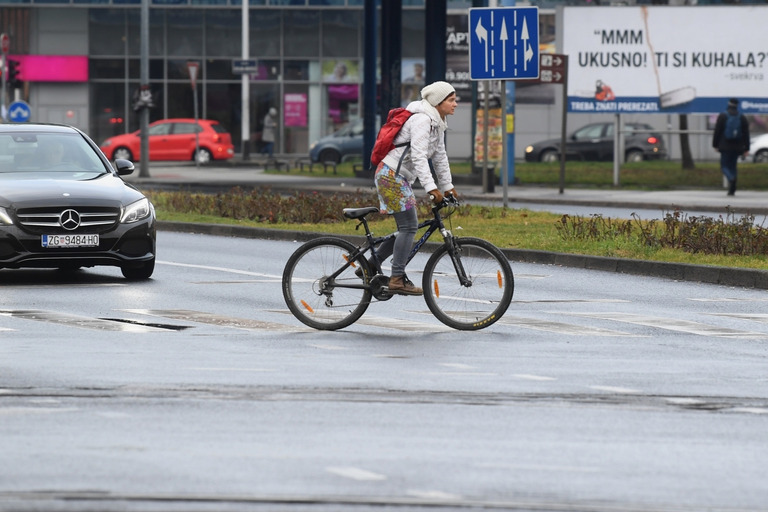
{"x":425,"y":129}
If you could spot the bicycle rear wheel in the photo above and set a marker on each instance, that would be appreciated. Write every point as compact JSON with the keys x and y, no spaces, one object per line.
{"x":483,"y":300}
{"x":313,"y":296}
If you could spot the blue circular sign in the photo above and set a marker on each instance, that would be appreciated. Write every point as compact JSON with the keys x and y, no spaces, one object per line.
{"x":19,"y":112}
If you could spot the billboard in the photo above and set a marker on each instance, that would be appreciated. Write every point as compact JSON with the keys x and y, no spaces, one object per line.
{"x":665,"y":59}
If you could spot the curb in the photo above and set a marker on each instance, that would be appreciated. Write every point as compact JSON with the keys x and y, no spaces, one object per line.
{"x":725,"y":276}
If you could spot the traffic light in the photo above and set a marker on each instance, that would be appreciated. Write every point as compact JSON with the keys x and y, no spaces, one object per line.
{"x":13,"y":73}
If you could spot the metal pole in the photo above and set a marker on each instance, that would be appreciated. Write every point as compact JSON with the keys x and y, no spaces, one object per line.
{"x":245,"y":117}
{"x":144,"y":79}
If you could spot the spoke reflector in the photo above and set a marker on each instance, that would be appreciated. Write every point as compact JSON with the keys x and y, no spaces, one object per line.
{"x":500,"y":278}
{"x":437,"y":289}
{"x":307,"y":306}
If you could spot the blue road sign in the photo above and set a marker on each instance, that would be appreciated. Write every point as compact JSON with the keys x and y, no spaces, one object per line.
{"x":19,"y":112}
{"x":504,"y":43}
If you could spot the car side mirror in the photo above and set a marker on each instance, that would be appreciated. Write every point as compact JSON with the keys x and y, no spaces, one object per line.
{"x":124,"y":167}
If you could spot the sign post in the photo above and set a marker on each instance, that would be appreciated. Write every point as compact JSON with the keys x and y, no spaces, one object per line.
{"x":554,"y":70}
{"x":504,"y":45}
{"x":5,"y":45}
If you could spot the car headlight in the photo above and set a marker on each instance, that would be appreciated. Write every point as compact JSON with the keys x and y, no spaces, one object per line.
{"x":5,"y":219}
{"x":312,"y":146}
{"x":529,"y":149}
{"x":137,"y":211}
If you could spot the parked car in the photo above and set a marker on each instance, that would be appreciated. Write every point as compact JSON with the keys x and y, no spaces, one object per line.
{"x":63,"y":205}
{"x":595,"y":142}
{"x":758,"y":148}
{"x":344,"y":143}
{"x":174,"y":139}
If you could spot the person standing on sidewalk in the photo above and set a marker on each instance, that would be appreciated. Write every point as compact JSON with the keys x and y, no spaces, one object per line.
{"x":268,"y":132}
{"x":423,"y":136}
{"x":731,"y":139}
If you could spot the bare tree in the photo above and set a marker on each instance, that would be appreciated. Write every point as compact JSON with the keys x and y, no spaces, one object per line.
{"x":685,"y":143}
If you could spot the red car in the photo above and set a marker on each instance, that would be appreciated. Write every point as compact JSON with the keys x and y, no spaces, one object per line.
{"x":174,"y":139}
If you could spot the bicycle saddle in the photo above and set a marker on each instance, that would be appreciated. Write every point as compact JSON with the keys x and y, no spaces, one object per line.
{"x":356,"y":213}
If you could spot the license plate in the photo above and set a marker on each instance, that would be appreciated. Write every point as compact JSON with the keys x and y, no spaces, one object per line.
{"x":70,"y":240}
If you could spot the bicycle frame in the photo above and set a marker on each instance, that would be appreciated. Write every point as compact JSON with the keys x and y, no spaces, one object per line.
{"x":432,"y":225}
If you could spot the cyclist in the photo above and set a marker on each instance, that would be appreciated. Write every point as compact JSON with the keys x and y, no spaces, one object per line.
{"x":425,"y":130}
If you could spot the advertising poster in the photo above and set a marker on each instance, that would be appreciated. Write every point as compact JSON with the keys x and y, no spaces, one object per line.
{"x":295,"y":109}
{"x":340,"y":71}
{"x":664,"y":59}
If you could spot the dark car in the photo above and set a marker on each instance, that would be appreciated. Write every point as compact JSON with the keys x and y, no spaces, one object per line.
{"x":595,"y":142}
{"x":63,"y":205}
{"x":346,"y":142}
{"x":175,"y":139}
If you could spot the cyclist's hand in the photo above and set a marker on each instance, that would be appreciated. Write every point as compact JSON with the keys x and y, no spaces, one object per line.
{"x":436,"y":195}
{"x":452,"y":194}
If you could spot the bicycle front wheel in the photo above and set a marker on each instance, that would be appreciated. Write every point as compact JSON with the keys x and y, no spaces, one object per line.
{"x":479,"y":302}
{"x":315,"y":297}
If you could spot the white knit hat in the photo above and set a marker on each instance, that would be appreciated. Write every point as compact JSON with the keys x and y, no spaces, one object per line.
{"x":436,"y":92}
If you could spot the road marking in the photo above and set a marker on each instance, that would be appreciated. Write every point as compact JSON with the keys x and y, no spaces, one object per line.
{"x":355,"y":473}
{"x":328,"y":347}
{"x":219,"y":320}
{"x":458,"y":365}
{"x":673,"y":324}
{"x":532,"y":377}
{"x":615,"y":389}
{"x":729,"y":299}
{"x":433,"y":495}
{"x":559,"y":327}
{"x":756,"y":317}
{"x":223,"y":269}
{"x":392,"y":323}
{"x":751,"y":410}
{"x":258,"y":370}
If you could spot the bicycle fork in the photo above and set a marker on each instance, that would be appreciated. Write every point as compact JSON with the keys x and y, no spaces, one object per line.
{"x":455,"y":253}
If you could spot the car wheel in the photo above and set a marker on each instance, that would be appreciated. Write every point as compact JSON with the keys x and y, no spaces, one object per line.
{"x":203,"y":156}
{"x":761,"y":156}
{"x":144,"y":271}
{"x":123,"y":153}
{"x":549,"y":155}
{"x":329,"y":155}
{"x":634,"y":155}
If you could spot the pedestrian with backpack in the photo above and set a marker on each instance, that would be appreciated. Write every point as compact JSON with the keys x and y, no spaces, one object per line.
{"x":731,"y":139}
{"x":421,"y":139}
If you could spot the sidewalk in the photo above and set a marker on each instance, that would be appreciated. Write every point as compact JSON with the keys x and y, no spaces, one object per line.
{"x":745,"y":201}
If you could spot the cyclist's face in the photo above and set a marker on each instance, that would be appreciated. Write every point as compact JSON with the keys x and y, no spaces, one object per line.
{"x":448,"y":106}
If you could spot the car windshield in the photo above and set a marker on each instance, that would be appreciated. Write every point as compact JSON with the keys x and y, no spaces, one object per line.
{"x":35,"y":153}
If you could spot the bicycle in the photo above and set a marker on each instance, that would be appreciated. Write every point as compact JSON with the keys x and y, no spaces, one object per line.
{"x":328,"y":282}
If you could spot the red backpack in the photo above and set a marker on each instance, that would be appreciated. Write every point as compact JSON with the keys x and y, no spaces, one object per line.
{"x":386,"y":137}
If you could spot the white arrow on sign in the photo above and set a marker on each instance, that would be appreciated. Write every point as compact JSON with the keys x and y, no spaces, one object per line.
{"x":18,"y":112}
{"x":503,"y":38}
{"x":526,"y":44}
{"x":482,"y":36}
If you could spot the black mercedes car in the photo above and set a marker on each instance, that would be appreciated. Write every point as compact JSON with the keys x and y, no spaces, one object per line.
{"x":63,"y":205}
{"x":595,"y":142}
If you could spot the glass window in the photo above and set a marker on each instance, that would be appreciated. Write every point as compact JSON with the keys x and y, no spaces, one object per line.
{"x":221,"y":107}
{"x":178,"y":70}
{"x":265,"y":33}
{"x":106,"y":68}
{"x":181,"y":100}
{"x":296,"y":70}
{"x":295,"y":120}
{"x":341,"y":33}
{"x":413,"y":34}
{"x":185,"y":32}
{"x":156,"y":69}
{"x":182,"y":128}
{"x":302,"y":33}
{"x":222,"y":34}
{"x":105,"y":26}
{"x":108,"y":111}
{"x":220,"y":69}
{"x":156,"y":30}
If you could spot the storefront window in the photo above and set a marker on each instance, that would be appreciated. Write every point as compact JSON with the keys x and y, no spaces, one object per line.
{"x":185,"y":32}
{"x":265,"y":33}
{"x":302,"y":33}
{"x":295,"y":117}
{"x":341,"y":33}
{"x":296,"y":70}
{"x":222,"y":34}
